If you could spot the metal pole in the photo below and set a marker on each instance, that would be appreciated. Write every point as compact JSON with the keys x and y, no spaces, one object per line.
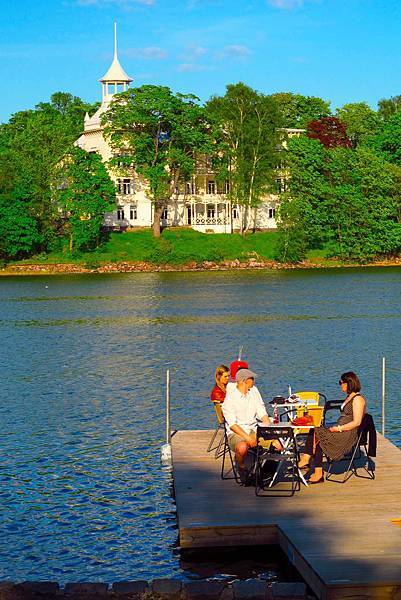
{"x":383,"y":396}
{"x":168,"y":428}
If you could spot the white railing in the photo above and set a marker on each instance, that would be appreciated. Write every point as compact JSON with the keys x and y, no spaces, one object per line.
{"x":209,"y":221}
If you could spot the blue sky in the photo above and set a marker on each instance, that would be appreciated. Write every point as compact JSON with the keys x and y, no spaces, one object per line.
{"x":341,"y":50}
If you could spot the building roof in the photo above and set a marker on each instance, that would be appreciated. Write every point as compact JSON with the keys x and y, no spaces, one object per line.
{"x":116,"y":73}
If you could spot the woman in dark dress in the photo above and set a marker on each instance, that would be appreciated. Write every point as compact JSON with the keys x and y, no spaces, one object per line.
{"x":336,"y":441}
{"x":222,"y":376}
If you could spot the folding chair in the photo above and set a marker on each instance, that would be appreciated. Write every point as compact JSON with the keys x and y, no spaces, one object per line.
{"x":311,"y":398}
{"x":219,"y":429}
{"x":355,"y":454}
{"x":329,"y":406}
{"x":283,"y":482}
{"x":225,"y":472}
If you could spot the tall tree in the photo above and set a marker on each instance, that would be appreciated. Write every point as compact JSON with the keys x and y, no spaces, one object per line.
{"x":387,"y":107}
{"x":297,"y":110}
{"x":341,"y":198}
{"x":83,"y":191}
{"x":330,"y":132}
{"x":162,"y":134}
{"x":360,"y":120}
{"x":247,"y":123}
{"x":388,"y":139}
{"x":31,"y":144}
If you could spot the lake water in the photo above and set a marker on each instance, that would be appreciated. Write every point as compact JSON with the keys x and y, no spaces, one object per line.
{"x":83,"y":362}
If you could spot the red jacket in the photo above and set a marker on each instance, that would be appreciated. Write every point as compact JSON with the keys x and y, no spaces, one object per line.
{"x":217,"y":394}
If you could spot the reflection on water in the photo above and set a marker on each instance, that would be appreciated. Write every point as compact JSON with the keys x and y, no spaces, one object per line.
{"x":83,"y":360}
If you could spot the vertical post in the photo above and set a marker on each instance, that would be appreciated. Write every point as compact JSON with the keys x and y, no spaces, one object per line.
{"x":168,"y":428}
{"x":383,"y":396}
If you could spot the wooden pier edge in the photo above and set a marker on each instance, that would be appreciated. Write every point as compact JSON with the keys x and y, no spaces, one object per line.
{"x":343,"y":539}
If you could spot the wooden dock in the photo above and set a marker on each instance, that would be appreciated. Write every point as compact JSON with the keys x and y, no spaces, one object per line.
{"x":341,"y":538}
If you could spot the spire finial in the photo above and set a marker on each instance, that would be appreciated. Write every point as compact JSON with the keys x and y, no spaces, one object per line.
{"x":115,"y":39}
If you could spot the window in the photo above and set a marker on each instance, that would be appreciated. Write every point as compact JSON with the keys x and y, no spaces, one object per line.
{"x":189,"y":187}
{"x":164,"y":214}
{"x":272,"y":213}
{"x":133,"y":213}
{"x":211,"y":187}
{"x":235,"y":212}
{"x":281,"y":185}
{"x":210,"y":211}
{"x":125,"y":187}
{"x":120,"y":213}
{"x":226,"y":187}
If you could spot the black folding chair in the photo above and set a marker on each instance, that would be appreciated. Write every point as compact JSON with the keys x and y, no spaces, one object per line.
{"x":284,"y":480}
{"x":229,"y":472}
{"x":219,"y":448}
{"x":353,"y":458}
{"x":329,"y":406}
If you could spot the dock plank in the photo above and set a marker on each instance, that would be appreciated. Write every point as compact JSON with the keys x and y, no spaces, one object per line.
{"x":340,"y":537}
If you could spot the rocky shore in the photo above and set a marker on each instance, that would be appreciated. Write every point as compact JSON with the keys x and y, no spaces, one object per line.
{"x":159,"y":589}
{"x":145,"y":267}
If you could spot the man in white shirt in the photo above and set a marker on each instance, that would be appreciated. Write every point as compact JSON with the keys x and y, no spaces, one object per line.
{"x":243,"y":407}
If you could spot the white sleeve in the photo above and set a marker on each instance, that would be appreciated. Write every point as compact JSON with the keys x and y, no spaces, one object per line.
{"x":229,"y":412}
{"x":260,"y":405}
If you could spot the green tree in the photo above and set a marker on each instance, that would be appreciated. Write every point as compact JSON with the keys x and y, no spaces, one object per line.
{"x":83,"y":191}
{"x":19,"y":235}
{"x":31,"y":144}
{"x":246,"y":124}
{"x":387,"y":107}
{"x":162,"y":134}
{"x":387,"y":141}
{"x":297,"y":110}
{"x":361,"y":121}
{"x":342,"y":199}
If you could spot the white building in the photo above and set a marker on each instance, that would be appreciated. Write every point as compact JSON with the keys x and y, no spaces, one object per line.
{"x":201,"y":203}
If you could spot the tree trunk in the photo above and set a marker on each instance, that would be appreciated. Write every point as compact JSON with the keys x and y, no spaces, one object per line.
{"x":156,"y":220}
{"x":255,"y":216}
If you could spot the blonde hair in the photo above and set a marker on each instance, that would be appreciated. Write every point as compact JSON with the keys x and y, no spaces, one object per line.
{"x":219,"y":372}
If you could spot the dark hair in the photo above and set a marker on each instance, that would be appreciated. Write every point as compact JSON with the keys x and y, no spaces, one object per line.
{"x":352,"y":381}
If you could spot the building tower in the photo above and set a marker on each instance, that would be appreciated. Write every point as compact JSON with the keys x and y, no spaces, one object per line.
{"x":116,"y":79}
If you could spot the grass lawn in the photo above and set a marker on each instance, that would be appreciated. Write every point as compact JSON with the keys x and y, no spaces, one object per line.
{"x":176,"y":246}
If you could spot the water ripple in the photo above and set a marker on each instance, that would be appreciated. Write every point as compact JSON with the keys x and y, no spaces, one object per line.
{"x":82,"y":493}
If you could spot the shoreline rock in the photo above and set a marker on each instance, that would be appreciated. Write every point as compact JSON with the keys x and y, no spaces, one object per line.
{"x":145,"y":267}
{"x":158,"y":589}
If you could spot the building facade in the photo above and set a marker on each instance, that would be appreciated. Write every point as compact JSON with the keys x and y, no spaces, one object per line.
{"x":201,"y":203}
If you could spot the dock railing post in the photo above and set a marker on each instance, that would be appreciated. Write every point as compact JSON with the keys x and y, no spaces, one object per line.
{"x":166,"y":448}
{"x":383,"y":396}
{"x":168,"y":429}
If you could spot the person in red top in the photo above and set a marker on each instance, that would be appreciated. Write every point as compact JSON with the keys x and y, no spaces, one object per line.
{"x":222,"y":376}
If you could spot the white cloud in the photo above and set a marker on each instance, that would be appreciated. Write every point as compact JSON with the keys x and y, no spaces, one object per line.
{"x":189,"y":68}
{"x":192,"y":53}
{"x":149,"y":53}
{"x":286,"y":4}
{"x":234,"y":51}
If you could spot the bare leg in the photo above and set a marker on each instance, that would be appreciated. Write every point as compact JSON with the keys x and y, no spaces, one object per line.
{"x":241,"y":450}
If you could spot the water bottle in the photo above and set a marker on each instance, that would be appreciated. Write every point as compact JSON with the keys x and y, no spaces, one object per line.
{"x":289,"y":391}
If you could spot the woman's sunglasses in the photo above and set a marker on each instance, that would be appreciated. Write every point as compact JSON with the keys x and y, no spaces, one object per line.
{"x":341,"y":382}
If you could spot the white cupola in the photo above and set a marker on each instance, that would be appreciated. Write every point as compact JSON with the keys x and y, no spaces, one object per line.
{"x":116,"y":79}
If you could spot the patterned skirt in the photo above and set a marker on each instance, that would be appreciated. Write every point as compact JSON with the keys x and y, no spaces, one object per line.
{"x":335,"y":444}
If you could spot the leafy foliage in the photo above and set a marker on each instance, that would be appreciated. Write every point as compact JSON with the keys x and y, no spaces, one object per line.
{"x":163,"y":134}
{"x":298,"y":111}
{"x":360,"y":120}
{"x":246,"y":128}
{"x":388,"y":107}
{"x":31,"y":144}
{"x":330,"y":132}
{"x":341,"y":198}
{"x":84,"y":192}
